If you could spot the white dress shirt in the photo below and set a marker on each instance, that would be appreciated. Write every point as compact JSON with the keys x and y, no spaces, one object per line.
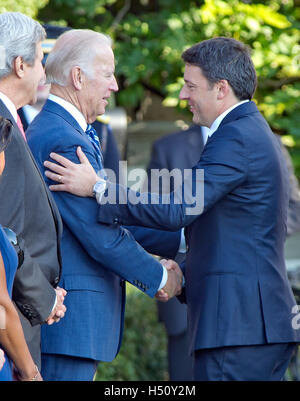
{"x":9,"y":105}
{"x":70,"y":108}
{"x":207,"y":132}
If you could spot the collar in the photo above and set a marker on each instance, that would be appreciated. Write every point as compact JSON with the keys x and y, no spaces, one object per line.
{"x":70,"y":108}
{"x":9,"y":105}
{"x":219,"y":119}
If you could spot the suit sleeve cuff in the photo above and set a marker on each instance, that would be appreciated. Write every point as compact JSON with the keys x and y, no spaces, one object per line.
{"x":182,"y":245}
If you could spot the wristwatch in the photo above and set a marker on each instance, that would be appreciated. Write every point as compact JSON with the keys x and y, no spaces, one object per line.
{"x":99,"y":188}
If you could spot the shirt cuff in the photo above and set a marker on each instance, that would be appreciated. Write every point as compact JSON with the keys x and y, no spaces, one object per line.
{"x":164,"y":278}
{"x":182,"y":245}
{"x":54,"y":306}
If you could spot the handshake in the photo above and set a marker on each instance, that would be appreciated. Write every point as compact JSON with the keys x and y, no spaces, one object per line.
{"x":174,"y":283}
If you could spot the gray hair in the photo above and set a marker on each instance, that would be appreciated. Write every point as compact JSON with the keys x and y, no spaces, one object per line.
{"x":76,"y":47}
{"x":225,"y":58}
{"x":19,"y":36}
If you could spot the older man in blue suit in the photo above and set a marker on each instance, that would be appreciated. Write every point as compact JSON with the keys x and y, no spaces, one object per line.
{"x":97,"y":258}
{"x":240,"y":305}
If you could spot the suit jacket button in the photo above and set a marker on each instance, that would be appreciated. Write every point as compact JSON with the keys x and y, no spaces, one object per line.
{"x":116,"y":220}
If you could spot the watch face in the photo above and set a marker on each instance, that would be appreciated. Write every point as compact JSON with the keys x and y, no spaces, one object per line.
{"x":99,"y":188}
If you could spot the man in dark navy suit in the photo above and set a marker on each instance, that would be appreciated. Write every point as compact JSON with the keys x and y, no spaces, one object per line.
{"x":182,"y":150}
{"x":241,"y":307}
{"x":178,"y":150}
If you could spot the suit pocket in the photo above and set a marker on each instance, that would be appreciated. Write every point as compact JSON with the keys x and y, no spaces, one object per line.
{"x":83,"y":282}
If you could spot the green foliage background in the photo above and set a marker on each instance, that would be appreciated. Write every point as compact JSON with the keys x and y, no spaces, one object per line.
{"x":151,"y":35}
{"x":143,"y":352}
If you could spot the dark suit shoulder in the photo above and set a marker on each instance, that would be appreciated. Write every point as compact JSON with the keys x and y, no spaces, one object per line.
{"x":54,"y":131}
{"x":178,"y":137}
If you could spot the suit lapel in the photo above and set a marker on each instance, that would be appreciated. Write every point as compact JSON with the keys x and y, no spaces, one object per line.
{"x":240,"y":111}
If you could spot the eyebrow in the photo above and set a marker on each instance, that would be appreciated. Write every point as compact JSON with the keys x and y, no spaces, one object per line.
{"x":187,"y":81}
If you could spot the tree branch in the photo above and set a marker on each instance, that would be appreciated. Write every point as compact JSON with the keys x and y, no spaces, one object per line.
{"x":121,"y":14}
{"x":276,"y":84}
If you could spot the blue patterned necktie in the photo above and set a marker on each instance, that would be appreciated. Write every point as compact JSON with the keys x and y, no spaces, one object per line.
{"x":93,"y":137}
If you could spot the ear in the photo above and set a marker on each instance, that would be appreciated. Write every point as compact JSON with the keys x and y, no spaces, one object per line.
{"x":19,"y":67}
{"x":77,"y":77}
{"x":223,"y":89}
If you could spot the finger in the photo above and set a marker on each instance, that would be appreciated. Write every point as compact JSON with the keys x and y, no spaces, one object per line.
{"x":54,"y":176}
{"x":163,"y":262}
{"x":81,"y":156}
{"x":54,"y":167}
{"x":61,"y":293}
{"x":62,"y":290}
{"x":58,"y":187}
{"x":169,"y":265}
{"x":61,"y":159}
{"x":161,"y":299}
{"x":163,"y":294}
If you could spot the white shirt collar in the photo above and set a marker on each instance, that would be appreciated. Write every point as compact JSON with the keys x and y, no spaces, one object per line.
{"x":30,"y":112}
{"x":70,"y":108}
{"x":9,"y":105}
{"x":215,"y":125}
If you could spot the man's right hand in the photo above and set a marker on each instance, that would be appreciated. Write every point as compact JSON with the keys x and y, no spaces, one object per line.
{"x":174,"y":283}
{"x":78,"y":179}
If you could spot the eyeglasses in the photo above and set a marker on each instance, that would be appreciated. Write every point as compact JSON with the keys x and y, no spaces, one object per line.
{"x":13,"y":239}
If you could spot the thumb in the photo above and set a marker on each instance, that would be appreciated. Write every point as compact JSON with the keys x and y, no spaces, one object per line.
{"x":81,"y":156}
{"x":169,"y":264}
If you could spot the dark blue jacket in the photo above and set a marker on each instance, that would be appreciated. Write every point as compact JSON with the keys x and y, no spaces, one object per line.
{"x":237,"y":290}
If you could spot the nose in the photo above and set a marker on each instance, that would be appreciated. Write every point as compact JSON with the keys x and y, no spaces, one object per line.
{"x":183,"y":94}
{"x":114,"y":85}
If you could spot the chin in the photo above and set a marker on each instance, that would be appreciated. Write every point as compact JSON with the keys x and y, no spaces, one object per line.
{"x":32,"y":101}
{"x":196,"y":120}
